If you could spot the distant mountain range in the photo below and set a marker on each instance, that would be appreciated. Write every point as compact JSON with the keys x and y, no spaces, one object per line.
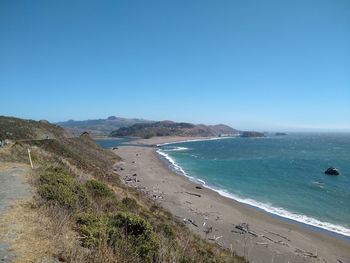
{"x":120,"y":127}
{"x":99,"y":127}
{"x":170,"y":128}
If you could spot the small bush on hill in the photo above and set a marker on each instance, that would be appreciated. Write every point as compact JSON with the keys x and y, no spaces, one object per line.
{"x":130,"y":204}
{"x":168,"y":230}
{"x":93,"y":228}
{"x":58,"y":187}
{"x":139,"y":233}
{"x":98,"y":189}
{"x":121,"y":231}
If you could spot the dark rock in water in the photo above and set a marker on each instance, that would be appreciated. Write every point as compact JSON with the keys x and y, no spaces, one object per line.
{"x":332,"y":171}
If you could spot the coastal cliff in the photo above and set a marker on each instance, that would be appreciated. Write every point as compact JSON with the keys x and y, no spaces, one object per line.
{"x":80,"y":200}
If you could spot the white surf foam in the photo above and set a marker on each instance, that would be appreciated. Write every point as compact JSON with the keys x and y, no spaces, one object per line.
{"x":287,"y":214}
{"x":176,"y":149}
{"x":266,"y":207}
{"x":178,"y":169}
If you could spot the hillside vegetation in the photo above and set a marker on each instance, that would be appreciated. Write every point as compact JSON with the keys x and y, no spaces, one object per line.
{"x":19,"y":129}
{"x":169,"y":128}
{"x":77,"y":189}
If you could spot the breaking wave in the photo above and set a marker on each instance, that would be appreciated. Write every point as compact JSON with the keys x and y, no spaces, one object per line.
{"x":263,"y":206}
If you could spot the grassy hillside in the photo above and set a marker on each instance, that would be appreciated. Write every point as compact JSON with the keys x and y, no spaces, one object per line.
{"x":169,"y":128}
{"x":16,"y":129}
{"x":80,"y":193}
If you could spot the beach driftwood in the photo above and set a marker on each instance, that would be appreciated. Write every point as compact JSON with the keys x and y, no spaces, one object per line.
{"x":215,"y":238}
{"x":198,"y":195}
{"x":117,"y":168}
{"x":305,"y":253}
{"x":276,"y":242}
{"x":276,"y":234}
{"x":188,"y":220}
{"x":155,"y":196}
{"x":262,"y":244}
{"x":244,"y":227}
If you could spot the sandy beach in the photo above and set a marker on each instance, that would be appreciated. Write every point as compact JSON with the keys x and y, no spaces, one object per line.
{"x":214,"y":217}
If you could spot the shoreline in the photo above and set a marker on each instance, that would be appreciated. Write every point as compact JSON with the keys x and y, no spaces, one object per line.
{"x":283,"y":215}
{"x":305,"y":241}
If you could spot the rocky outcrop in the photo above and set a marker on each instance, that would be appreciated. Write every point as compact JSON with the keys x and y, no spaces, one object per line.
{"x":331,"y":171}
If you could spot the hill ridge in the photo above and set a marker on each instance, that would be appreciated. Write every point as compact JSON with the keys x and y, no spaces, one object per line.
{"x":170,"y":128}
{"x":100,"y":126}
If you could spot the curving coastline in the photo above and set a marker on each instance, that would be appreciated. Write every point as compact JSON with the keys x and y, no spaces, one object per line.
{"x":277,"y":240}
{"x":281,"y":212}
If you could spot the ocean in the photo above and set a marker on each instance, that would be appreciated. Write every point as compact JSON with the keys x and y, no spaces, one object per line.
{"x":283,"y":175}
{"x":113,"y":142}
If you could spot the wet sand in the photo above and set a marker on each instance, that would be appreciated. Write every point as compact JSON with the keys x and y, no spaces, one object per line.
{"x":215,"y":217}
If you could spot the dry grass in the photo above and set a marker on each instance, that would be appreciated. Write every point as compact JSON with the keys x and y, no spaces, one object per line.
{"x":22,"y":227}
{"x":38,"y":231}
{"x":41,"y":234}
{"x":42,"y":230}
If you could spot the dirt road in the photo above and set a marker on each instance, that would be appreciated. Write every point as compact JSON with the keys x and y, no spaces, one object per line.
{"x":12,"y":188}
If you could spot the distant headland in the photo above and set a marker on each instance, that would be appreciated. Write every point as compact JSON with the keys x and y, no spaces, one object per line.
{"x":123,"y":127}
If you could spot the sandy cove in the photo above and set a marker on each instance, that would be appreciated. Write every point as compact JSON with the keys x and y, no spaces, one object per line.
{"x":214,"y":217}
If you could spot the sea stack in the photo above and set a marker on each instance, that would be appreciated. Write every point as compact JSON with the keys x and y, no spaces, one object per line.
{"x":331,"y":171}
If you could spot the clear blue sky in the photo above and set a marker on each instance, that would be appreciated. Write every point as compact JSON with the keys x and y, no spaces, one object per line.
{"x":252,"y":64}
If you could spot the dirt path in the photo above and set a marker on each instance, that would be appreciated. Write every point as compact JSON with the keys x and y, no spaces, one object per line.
{"x":12,"y":185}
{"x":12,"y":189}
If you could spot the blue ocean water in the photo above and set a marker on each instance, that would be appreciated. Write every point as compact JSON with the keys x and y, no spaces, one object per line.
{"x":283,"y":175}
{"x":115,"y":142}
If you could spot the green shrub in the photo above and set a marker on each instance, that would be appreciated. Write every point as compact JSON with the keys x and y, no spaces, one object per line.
{"x":130,"y":204}
{"x":168,"y":230}
{"x":139,"y":233}
{"x":122,"y":230}
{"x":58,"y":187}
{"x":93,"y":228}
{"x":98,"y":189}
